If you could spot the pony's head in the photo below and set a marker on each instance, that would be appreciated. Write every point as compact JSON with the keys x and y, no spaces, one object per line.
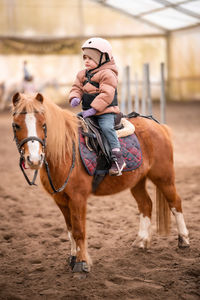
{"x":29,"y":128}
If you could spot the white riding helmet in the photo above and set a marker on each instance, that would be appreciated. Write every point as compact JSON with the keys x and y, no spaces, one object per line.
{"x":99,"y":44}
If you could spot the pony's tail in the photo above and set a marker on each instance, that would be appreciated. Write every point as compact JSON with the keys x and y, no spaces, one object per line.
{"x":163,"y":214}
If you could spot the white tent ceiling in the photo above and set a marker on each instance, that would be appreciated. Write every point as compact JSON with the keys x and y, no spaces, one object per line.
{"x":168,"y":15}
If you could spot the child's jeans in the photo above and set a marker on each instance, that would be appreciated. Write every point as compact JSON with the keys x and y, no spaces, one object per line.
{"x":106,"y":123}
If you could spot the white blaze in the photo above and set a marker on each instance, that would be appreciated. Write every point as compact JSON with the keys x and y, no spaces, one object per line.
{"x":32,"y":146}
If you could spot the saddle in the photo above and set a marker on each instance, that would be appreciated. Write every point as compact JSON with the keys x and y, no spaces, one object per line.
{"x":96,"y":142}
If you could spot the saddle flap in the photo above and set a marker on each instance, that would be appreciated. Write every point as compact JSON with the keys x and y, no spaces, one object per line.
{"x":130,"y":148}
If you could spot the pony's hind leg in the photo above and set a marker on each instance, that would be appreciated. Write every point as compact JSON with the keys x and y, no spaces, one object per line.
{"x":143,"y":239}
{"x":174,"y":201}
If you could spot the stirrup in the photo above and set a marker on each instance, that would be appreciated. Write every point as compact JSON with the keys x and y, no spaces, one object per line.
{"x":118,"y":169}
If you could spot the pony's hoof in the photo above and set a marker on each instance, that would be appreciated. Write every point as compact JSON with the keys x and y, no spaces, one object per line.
{"x":183,"y":243}
{"x":141,"y":243}
{"x":81,"y":267}
{"x":72,"y":261}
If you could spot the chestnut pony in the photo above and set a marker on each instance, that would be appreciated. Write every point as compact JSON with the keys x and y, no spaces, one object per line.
{"x":48,"y":135}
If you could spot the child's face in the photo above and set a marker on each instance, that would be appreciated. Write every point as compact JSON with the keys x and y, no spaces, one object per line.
{"x":89,"y":62}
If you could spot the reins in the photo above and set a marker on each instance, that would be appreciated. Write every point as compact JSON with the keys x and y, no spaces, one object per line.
{"x":66,"y":181}
{"x":43,"y":143}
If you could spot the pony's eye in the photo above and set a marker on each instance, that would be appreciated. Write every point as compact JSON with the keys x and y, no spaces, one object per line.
{"x":16,"y":126}
{"x":44,"y":126}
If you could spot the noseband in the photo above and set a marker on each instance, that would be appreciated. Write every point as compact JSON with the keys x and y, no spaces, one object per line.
{"x":43,"y":143}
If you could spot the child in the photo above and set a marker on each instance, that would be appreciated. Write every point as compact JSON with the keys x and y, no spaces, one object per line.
{"x":96,"y":88}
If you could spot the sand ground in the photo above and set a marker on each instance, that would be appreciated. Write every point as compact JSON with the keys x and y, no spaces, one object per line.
{"x":34,"y":243}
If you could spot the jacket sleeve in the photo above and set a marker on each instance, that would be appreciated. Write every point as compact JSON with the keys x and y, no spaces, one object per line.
{"x":107,"y":86}
{"x":77,"y":87}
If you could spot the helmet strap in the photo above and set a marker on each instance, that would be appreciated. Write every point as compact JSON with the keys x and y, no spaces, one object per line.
{"x":100,"y":61}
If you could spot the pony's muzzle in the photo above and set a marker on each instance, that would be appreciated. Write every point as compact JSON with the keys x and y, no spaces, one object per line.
{"x":35,"y":162}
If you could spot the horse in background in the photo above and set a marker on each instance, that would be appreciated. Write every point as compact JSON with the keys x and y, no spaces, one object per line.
{"x":44,"y":132}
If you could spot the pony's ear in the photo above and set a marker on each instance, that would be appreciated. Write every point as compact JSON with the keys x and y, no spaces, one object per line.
{"x":16,"y":98}
{"x":39,"y":97}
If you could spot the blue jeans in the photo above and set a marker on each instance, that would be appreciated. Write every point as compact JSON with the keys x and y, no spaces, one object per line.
{"x":106,"y":123}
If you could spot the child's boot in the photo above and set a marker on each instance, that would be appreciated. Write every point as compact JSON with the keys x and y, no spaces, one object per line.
{"x":118,"y":163}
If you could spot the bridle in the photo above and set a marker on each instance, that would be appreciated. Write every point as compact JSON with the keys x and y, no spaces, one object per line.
{"x":43,"y":143}
{"x":21,"y":150}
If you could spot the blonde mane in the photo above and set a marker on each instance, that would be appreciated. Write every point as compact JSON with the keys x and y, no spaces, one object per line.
{"x":62,"y":127}
{"x":62,"y":131}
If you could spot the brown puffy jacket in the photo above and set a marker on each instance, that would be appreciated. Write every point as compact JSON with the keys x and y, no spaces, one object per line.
{"x":106,"y":76}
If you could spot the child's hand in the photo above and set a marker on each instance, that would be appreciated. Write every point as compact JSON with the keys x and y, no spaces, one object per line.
{"x":75,"y":102}
{"x":88,"y":113}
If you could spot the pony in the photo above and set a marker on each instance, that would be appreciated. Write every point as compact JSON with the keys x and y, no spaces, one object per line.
{"x":47,"y":140}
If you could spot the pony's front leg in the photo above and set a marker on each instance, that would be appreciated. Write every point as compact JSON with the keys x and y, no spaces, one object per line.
{"x":143,"y":239}
{"x":81,"y":261}
{"x":66,"y":213}
{"x":62,"y":201}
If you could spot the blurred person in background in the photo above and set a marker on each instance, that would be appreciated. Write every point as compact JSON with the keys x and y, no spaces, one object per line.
{"x":96,"y":88}
{"x":26,"y":72}
{"x":28,"y":85}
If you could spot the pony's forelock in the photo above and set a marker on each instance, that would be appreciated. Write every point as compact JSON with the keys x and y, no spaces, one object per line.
{"x":27,"y":103}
